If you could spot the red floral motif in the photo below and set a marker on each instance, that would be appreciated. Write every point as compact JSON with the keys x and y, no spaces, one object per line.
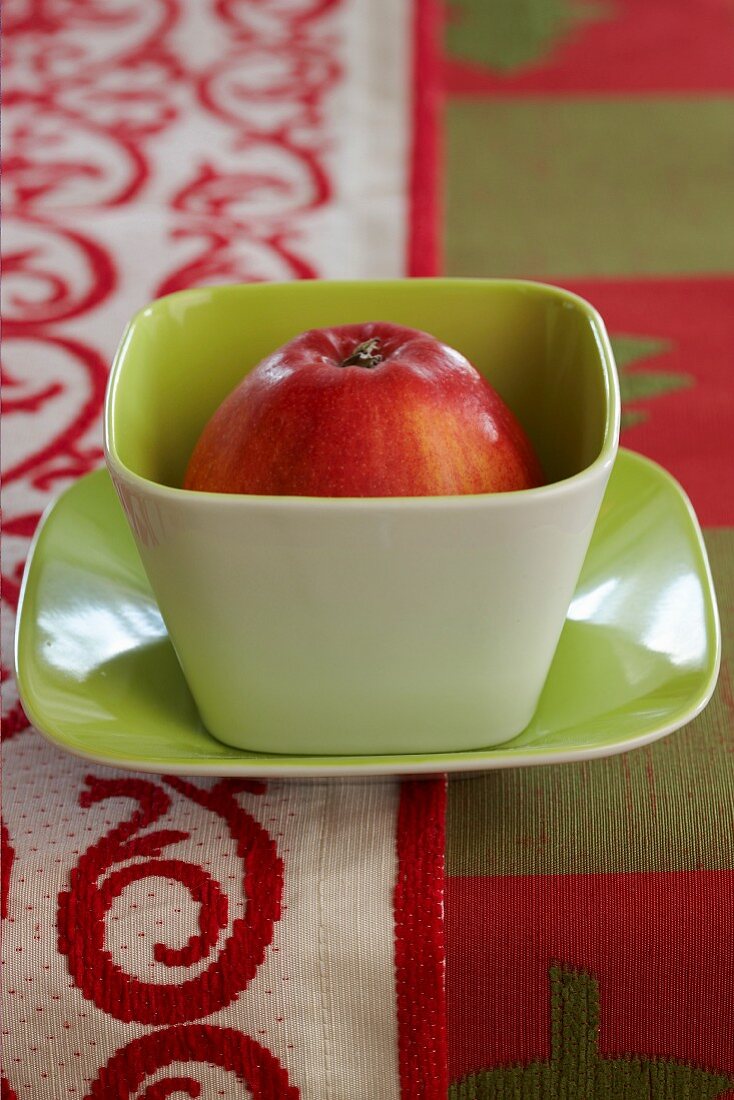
{"x":229,"y":258}
{"x":60,"y":37}
{"x":53,"y":273}
{"x":290,"y":79}
{"x":94,"y":885}
{"x":29,"y":402}
{"x":131,"y":100}
{"x":273,"y":179}
{"x":244,"y":14}
{"x":88,"y":84}
{"x":55,"y":160}
{"x":271,"y":90}
{"x":251,"y":1064}
{"x":240,"y":215}
{"x":62,"y":455}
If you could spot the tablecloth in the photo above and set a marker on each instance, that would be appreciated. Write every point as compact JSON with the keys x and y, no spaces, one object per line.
{"x":589,"y":908}
{"x":562,"y":931}
{"x":196,"y":937}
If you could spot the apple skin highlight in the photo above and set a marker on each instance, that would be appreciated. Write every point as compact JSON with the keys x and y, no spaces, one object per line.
{"x":364,"y":410}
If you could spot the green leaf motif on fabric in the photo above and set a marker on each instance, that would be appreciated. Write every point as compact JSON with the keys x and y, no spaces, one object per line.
{"x":576,"y":1070}
{"x":643,"y":385}
{"x":507,"y":35}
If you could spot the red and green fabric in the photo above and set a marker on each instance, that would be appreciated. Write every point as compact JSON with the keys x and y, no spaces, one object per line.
{"x":590,"y":907}
{"x":168,"y":934}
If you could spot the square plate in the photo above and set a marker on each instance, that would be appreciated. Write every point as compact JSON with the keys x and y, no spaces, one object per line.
{"x":638,"y":657}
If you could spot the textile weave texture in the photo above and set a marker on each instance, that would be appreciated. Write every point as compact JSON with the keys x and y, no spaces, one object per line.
{"x":200,"y":937}
{"x":590,"y":907}
{"x":555,"y":932}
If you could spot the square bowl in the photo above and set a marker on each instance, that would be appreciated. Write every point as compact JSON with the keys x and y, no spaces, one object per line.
{"x":371,"y":625}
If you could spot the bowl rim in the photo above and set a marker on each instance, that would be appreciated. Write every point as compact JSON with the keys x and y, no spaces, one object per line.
{"x":600,"y":467}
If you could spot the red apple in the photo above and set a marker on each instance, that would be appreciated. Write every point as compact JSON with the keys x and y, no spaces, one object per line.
{"x":364,"y":410}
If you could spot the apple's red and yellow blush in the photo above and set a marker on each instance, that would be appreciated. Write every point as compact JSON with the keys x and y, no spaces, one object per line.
{"x":323,"y":417}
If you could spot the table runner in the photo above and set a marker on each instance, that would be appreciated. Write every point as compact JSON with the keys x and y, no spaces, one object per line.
{"x":586,"y":909}
{"x":590,"y":907}
{"x":201,"y":937}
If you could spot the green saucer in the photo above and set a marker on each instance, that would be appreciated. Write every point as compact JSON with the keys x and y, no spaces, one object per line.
{"x":638,"y":656}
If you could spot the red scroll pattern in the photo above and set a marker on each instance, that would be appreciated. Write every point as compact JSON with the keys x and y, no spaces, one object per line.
{"x":105,"y":111}
{"x":53,"y":274}
{"x":105,"y":102}
{"x":242,"y":1056}
{"x":107,"y":868}
{"x":68,"y":365}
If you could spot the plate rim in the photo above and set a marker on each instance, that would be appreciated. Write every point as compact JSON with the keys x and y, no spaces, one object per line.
{"x":242,"y":763}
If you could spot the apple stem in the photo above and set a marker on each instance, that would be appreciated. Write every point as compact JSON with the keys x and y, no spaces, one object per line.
{"x":366,"y":354}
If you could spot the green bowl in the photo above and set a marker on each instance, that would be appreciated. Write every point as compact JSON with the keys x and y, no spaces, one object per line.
{"x":316,"y":625}
{"x":545,"y":351}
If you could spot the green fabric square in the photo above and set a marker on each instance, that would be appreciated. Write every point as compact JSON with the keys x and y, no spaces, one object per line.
{"x":594,"y":187}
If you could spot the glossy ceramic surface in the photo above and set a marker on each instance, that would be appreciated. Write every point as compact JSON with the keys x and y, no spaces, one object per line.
{"x":638,"y":656}
{"x":315,"y":625}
